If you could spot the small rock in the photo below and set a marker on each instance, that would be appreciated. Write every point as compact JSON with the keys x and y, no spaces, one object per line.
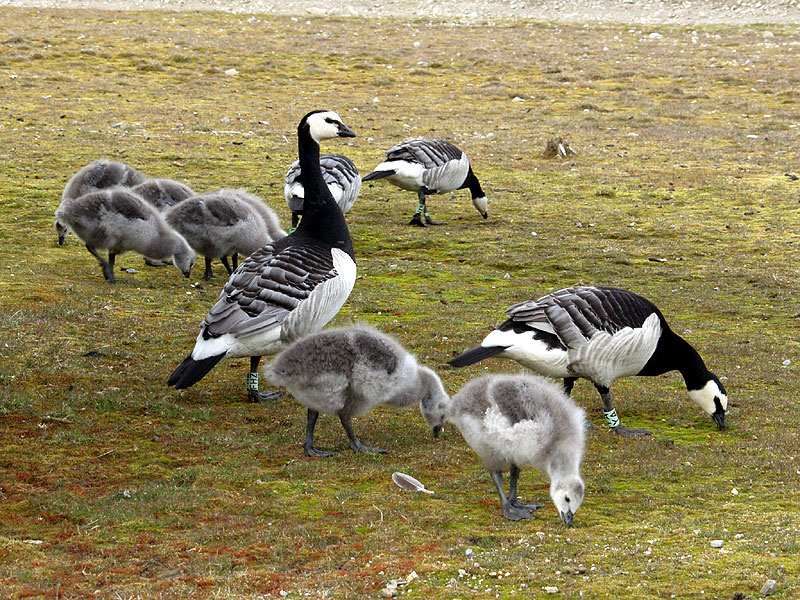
{"x":387,"y":593}
{"x":655,"y":36}
{"x":735,"y":492}
{"x":232,"y":72}
{"x":550,"y":589}
{"x":717,"y":543}
{"x":738,"y":536}
{"x":769,"y":588}
{"x":469,"y":552}
{"x":786,"y":363}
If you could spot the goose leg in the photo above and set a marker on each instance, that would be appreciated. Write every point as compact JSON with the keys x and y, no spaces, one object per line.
{"x":612,"y":419}
{"x":569,"y":383}
{"x":226,"y":264}
{"x":295,"y":220}
{"x":235,"y":260}
{"x":156,"y":263}
{"x":510,"y":511}
{"x":513,"y":477}
{"x":355,"y":444}
{"x":308,"y":443}
{"x":252,"y":384}
{"x":421,"y":210}
{"x":108,"y":270}
{"x":208,"y":274}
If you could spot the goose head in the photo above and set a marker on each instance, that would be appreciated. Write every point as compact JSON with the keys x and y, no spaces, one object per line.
{"x":567,"y":494}
{"x":61,"y":231}
{"x":713,"y":399}
{"x":324,"y":125}
{"x":434,"y":403}
{"x":481,"y":204}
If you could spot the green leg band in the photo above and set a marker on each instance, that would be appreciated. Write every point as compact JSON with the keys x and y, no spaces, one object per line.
{"x":292,"y":229}
{"x":252,"y":382}
{"x":420,"y":208}
{"x":611,"y":418}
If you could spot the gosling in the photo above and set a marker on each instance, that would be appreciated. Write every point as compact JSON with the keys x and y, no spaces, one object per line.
{"x":348,"y":372}
{"x":513,"y":421}
{"x":163,"y":193}
{"x":119,"y":221}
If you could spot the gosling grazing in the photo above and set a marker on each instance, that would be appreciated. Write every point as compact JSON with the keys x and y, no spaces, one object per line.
{"x":602,"y":334}
{"x":514,"y":421}
{"x":430,"y":167}
{"x":119,"y":221}
{"x":340,"y":175}
{"x":221,"y":224}
{"x":347,"y":372}
{"x":163,"y":193}
{"x":287,"y":289}
{"x":97,"y":175}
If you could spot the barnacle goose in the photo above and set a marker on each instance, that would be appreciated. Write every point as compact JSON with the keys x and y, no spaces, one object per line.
{"x":514,"y":421}
{"x":602,"y":334}
{"x":341,"y":176}
{"x":289,"y":288}
{"x":430,"y":167}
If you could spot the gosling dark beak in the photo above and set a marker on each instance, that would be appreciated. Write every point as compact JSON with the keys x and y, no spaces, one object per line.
{"x":61,"y":240}
{"x":719,"y":418}
{"x":437,"y":429}
{"x":567,"y":518}
{"x":345,"y":131}
{"x":187,"y":274}
{"x":485,"y":215}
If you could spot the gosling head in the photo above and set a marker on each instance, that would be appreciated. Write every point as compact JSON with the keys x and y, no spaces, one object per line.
{"x":434,"y":403}
{"x":567,"y":495}
{"x":713,"y":399}
{"x":61,"y":231}
{"x":324,"y":125}
{"x":184,"y":259}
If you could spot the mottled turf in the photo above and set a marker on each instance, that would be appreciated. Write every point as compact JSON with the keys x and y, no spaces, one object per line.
{"x":114,"y":486}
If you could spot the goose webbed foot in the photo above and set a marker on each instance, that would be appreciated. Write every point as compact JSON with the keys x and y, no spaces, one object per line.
{"x":355,"y":443}
{"x":516,"y":513}
{"x":156,"y":263}
{"x":359,"y":447}
{"x":310,"y":450}
{"x":267,"y":396}
{"x":620,"y":430}
{"x":532,"y":506}
{"x":417,"y":220}
{"x":430,"y":221}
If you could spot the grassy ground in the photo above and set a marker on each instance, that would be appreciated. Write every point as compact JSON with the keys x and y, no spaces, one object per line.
{"x":114,"y":486}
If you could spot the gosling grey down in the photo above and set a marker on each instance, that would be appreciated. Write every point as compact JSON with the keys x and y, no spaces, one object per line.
{"x":602,"y":334}
{"x":98,"y":175}
{"x":340,"y":175}
{"x":223,"y":223}
{"x":514,"y":421}
{"x":347,"y":372}
{"x":162,"y":193}
{"x":430,"y":167}
{"x":118,"y":220}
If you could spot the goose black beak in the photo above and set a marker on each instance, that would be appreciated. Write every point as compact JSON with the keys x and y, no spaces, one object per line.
{"x":345,"y":131}
{"x":437,"y":429}
{"x":719,"y":418}
{"x":567,"y":518}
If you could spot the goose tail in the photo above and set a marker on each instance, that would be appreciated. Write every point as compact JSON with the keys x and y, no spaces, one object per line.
{"x":190,"y":371}
{"x":476,"y":354}
{"x":378,"y":175}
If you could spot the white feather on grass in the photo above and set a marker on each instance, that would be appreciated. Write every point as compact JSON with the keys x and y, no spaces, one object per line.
{"x":408,"y":483}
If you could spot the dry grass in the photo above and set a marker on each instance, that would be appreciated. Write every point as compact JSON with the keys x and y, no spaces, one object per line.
{"x":115,"y":486}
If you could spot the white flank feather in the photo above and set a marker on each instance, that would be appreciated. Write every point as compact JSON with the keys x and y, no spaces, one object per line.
{"x":408,"y":483}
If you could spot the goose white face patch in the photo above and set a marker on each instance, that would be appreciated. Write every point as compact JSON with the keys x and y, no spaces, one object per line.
{"x":321,"y":127}
{"x":481,"y":204}
{"x":704,"y":397}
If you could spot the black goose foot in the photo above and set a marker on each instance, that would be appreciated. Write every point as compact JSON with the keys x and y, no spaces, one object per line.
{"x":310,"y":450}
{"x":620,"y":430}
{"x":417,"y":220}
{"x":430,"y":221}
{"x":359,"y":447}
{"x":267,"y":396}
{"x":515,"y":513}
{"x":532,"y":506}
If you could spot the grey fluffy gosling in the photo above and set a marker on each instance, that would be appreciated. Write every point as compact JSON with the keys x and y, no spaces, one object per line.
{"x":98,"y":175}
{"x":224,"y":223}
{"x":119,"y":221}
{"x":163,"y":193}
{"x":514,"y":421}
{"x":347,"y":372}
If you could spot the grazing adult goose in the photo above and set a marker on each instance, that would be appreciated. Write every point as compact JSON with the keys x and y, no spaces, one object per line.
{"x":118,"y":220}
{"x":602,"y":334}
{"x":341,"y":176}
{"x":430,"y":167}
{"x":99,"y":174}
{"x":223,"y":223}
{"x":289,"y":288}
{"x":347,"y":372}
{"x":163,"y":193}
{"x":513,"y":421}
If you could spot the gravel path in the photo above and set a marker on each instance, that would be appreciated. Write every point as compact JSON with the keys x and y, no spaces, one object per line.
{"x":734,"y":12}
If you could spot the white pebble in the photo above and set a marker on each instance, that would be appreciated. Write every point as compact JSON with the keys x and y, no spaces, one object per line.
{"x":735,"y":492}
{"x":550,"y":589}
{"x":717,"y":543}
